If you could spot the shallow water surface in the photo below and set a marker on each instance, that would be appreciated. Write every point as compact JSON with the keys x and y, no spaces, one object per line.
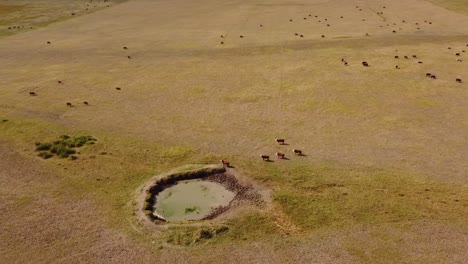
{"x":191,"y":200}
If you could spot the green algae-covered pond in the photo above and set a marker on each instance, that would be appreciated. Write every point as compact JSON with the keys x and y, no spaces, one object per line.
{"x":191,"y":200}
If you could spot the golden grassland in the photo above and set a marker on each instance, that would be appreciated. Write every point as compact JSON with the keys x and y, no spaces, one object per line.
{"x":384,"y":175}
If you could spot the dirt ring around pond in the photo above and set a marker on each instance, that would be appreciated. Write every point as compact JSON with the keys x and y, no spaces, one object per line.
{"x":240,"y":192}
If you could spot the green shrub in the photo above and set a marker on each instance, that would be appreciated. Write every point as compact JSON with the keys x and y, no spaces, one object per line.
{"x":43,"y":146}
{"x":44,"y":154}
{"x":64,"y":147}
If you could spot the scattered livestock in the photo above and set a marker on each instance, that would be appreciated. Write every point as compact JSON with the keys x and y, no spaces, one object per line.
{"x":297,"y":152}
{"x":225,"y":163}
{"x":396,"y":57}
{"x":118,"y":88}
{"x":433,"y":77}
{"x":458,"y":80}
{"x":32,"y":94}
{"x":69,"y":104}
{"x":365,"y":64}
{"x":125,"y":48}
{"x":86,"y":103}
{"x":129,"y":57}
{"x":265,"y":157}
{"x":59,"y":82}
{"x":280,"y":155}
{"x":280,"y":141}
{"x":397,"y":67}
{"x":48,"y":42}
{"x":428,"y":74}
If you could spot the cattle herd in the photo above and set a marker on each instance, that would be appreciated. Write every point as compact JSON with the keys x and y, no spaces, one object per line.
{"x":345,"y":62}
{"x":264,"y":157}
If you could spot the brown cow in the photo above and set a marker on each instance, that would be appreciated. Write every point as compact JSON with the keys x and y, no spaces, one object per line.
{"x":69,"y":104}
{"x":428,"y":74}
{"x":396,"y":57}
{"x":32,"y":94}
{"x":433,"y":77}
{"x":397,"y":67}
{"x":265,"y":157}
{"x":225,"y":163}
{"x":458,"y":80}
{"x":85,"y":103}
{"x":365,"y":64}
{"x":118,"y":88}
{"x":457,"y":54}
{"x":297,"y":152}
{"x":280,"y":141}
{"x":280,"y":155}
{"x":125,"y":48}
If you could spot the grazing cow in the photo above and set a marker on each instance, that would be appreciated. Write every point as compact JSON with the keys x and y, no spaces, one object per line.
{"x":415,"y":57}
{"x":48,"y":42}
{"x":297,"y":152}
{"x":222,"y":36}
{"x":59,"y":82}
{"x":280,"y":141}
{"x":280,"y":155}
{"x":367,"y":34}
{"x":265,"y":157}
{"x":458,"y":80}
{"x":290,"y":20}
{"x":241,"y":36}
{"x":305,"y":18}
{"x":323,"y":36}
{"x":428,"y":74}
{"x":449,"y":48}
{"x":396,"y":57}
{"x":418,"y":28}
{"x":430,"y":23}
{"x":222,"y":42}
{"x":346,"y":63}
{"x":32,"y":94}
{"x":397,"y":67}
{"x":459,"y":60}
{"x":74,"y":13}
{"x":118,"y":88}
{"x":406,"y":57}
{"x":129,"y":57}
{"x":296,"y":34}
{"x":328,"y":25}
{"x":466,"y":44}
{"x":393,"y":31}
{"x":85,"y":103}
{"x":125,"y":48}
{"x":225,"y":163}
{"x":261,"y":25}
{"x":433,"y":77}
{"x":310,"y":15}
{"x":365,"y":64}
{"x":341,"y":16}
{"x":69,"y":104}
{"x":301,"y":36}
{"x":420,"y":62}
{"x":457,"y":54}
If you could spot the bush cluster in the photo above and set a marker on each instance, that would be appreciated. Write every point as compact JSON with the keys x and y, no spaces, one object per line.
{"x":64,"y":147}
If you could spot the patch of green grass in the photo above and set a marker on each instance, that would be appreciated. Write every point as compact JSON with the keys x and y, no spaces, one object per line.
{"x":192,"y":209}
{"x":191,"y":236}
{"x":64,"y":147}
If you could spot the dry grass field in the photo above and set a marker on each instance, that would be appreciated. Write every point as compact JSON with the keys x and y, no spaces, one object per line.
{"x":384,"y":178}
